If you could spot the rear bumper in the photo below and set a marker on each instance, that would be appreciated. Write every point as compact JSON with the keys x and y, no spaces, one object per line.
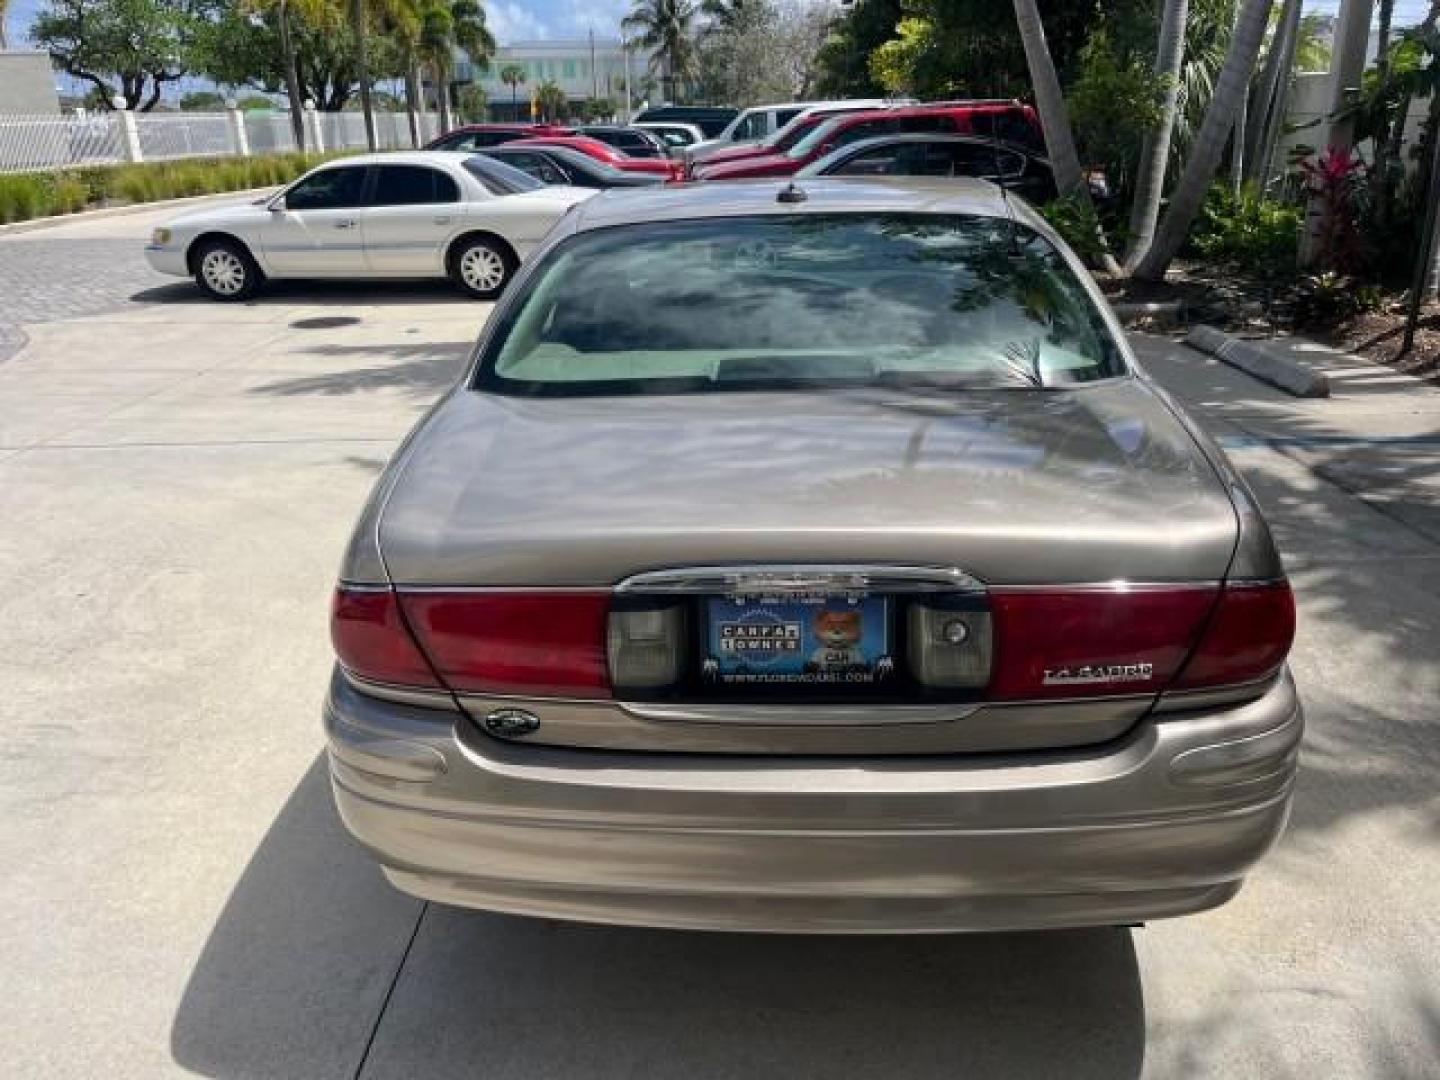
{"x":1163,"y":822}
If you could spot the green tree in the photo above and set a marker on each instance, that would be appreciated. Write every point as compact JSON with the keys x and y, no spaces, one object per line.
{"x":445,"y":25}
{"x":843,"y":61}
{"x":234,"y":49}
{"x":596,"y":110}
{"x":4,"y":17}
{"x":551,"y":100}
{"x":899,"y":64}
{"x":202,"y":101}
{"x":1204,"y":157}
{"x":513,"y":76}
{"x":666,"y":29}
{"x":470,"y":103}
{"x":127,"y":47}
{"x":1114,"y":104}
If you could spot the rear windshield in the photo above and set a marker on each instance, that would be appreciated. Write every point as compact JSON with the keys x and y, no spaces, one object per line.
{"x":499,"y":178}
{"x":779,"y":302}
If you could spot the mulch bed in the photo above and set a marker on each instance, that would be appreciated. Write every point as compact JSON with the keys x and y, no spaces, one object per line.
{"x":1222,"y":298}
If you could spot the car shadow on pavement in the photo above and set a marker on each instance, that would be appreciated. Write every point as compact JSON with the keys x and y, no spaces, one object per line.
{"x":317,"y":293}
{"x":296,"y":980}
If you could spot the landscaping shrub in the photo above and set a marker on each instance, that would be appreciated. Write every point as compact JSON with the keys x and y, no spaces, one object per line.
{"x":1075,"y":219}
{"x":22,"y":197}
{"x":1255,"y":235}
{"x":30,"y":195}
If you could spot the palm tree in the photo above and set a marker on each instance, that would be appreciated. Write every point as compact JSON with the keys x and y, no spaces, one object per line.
{"x":1271,"y":94}
{"x":1050,"y":104}
{"x":513,"y":75}
{"x":667,"y":29}
{"x":449,"y":23}
{"x":358,"y":16}
{"x":1209,"y":147}
{"x":551,"y":99}
{"x":1155,"y":150}
{"x":282,"y":10}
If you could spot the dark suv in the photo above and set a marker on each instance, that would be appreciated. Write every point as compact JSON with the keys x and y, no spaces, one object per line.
{"x":711,"y":119}
{"x":479,"y":136}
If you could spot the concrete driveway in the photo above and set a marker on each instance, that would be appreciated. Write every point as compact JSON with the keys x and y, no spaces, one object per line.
{"x":176,"y":481}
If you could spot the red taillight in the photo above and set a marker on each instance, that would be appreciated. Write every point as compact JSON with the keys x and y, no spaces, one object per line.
{"x":541,"y":643}
{"x":1247,"y":637}
{"x":1092,"y":642}
{"x":371,"y":640}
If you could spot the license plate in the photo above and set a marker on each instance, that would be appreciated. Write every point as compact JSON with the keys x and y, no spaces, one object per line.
{"x":820,"y":641}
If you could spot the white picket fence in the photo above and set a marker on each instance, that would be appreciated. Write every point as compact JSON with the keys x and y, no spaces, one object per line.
{"x":35,"y":143}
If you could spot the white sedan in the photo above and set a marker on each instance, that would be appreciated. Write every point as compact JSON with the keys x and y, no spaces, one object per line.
{"x":395,"y":215}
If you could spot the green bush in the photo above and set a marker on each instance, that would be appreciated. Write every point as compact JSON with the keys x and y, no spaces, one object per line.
{"x":30,"y":195}
{"x":21,"y":197}
{"x":1074,"y":218}
{"x":1253,"y":234}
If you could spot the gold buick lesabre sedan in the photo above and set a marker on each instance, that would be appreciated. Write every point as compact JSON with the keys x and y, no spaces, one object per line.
{"x":812,"y":556}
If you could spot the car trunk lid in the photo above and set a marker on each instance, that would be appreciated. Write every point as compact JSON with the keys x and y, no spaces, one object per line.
{"x":1013,"y":487}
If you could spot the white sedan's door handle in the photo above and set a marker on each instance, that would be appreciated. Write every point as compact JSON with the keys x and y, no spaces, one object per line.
{"x":443,"y":219}
{"x":348,"y":223}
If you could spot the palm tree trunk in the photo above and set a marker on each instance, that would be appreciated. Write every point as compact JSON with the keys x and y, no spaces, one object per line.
{"x":1270,"y":93}
{"x":1384,"y":142}
{"x":292,"y":80}
{"x":1054,"y":117}
{"x":442,"y":94}
{"x":413,"y":103}
{"x":1155,"y":151}
{"x":1209,"y":145}
{"x":362,"y":67}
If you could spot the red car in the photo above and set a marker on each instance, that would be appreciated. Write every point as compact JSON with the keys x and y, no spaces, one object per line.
{"x":1008,"y":121}
{"x":608,"y":154}
{"x":479,"y":136}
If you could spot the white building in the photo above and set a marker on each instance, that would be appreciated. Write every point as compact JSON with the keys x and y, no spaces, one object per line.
{"x":27,"y":85}
{"x":579,"y":70}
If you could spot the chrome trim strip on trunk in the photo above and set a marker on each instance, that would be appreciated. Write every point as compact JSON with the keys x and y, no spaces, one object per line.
{"x":801,"y":578}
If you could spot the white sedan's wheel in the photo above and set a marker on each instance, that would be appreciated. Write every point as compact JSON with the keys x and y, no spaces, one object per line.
{"x":225,"y":270}
{"x":482,"y":267}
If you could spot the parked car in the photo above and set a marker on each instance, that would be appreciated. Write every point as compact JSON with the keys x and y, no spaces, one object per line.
{"x":711,"y":119}
{"x":608,"y":154}
{"x":676,"y":136}
{"x":559,"y":165}
{"x":838,"y":131}
{"x":764,"y":122}
{"x":634,"y":141}
{"x":395,"y":215}
{"x":479,"y":136}
{"x":788,"y":135}
{"x":812,"y":557}
{"x":755,"y":123}
{"x":1013,"y":167}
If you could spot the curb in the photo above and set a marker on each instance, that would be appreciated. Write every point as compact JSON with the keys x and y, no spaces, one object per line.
{"x":1259,"y":360}
{"x":36,"y":224}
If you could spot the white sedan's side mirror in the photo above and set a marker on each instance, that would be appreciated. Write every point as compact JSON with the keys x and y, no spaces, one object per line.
{"x":277,"y":204}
